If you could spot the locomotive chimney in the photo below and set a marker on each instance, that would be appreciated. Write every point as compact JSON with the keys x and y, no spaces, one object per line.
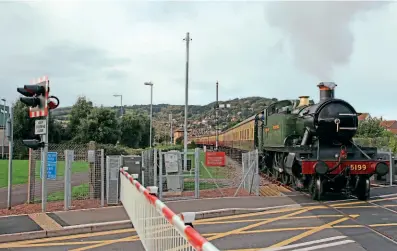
{"x":326,"y":90}
{"x":303,"y":100}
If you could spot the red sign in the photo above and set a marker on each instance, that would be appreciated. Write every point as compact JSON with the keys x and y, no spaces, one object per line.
{"x":215,"y":158}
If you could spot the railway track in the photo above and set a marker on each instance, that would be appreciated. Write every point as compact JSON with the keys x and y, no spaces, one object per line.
{"x":324,"y":203}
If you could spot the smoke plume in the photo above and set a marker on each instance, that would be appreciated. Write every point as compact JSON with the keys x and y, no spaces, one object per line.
{"x":318,"y":32}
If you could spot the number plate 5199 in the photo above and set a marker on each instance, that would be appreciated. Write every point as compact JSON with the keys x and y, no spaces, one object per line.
{"x":358,"y":167}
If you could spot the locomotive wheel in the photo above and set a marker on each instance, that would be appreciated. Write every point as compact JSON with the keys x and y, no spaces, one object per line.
{"x":277,"y":164}
{"x":363,"y":188}
{"x":316,"y":188}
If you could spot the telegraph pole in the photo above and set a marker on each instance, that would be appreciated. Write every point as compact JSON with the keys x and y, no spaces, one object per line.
{"x":170,"y":117}
{"x":216,"y":117}
{"x":187,"y":39}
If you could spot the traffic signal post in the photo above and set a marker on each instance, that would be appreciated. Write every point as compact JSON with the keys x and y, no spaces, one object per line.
{"x":36,"y":96}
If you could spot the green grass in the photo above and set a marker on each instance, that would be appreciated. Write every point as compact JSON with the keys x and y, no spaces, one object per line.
{"x":80,"y":191}
{"x":20,"y":170}
{"x":216,"y":172}
{"x":189,"y":186}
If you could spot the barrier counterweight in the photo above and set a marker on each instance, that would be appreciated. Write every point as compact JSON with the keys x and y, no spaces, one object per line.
{"x":158,"y":228}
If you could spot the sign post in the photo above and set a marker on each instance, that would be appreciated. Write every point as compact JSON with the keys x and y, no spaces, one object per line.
{"x":40,"y":127}
{"x":37,"y":97}
{"x":9,"y":134}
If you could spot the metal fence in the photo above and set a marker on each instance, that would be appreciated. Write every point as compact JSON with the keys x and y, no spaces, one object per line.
{"x":250,"y":173}
{"x":73,"y":169}
{"x":85,"y":178}
{"x":199,"y":180}
{"x":157,"y":228}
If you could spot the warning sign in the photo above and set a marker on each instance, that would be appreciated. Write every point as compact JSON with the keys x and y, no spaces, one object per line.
{"x":215,"y":158}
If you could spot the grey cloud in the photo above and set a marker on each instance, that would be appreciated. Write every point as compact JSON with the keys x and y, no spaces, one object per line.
{"x":64,"y":60}
{"x":319,"y":32}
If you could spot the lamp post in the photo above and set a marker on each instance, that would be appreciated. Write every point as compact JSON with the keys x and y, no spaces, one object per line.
{"x":151,"y":110}
{"x":4,"y":127}
{"x":170,"y":118}
{"x":121,"y":103}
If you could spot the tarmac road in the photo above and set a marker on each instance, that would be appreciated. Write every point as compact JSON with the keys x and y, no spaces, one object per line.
{"x":348,"y":225}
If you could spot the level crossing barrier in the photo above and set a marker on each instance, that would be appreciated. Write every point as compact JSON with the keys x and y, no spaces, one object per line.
{"x":157,"y":226}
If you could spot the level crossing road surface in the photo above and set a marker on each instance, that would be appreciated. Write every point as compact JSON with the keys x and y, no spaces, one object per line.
{"x":344,"y":225}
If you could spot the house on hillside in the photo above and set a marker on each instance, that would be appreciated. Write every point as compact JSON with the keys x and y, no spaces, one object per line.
{"x":390,"y":125}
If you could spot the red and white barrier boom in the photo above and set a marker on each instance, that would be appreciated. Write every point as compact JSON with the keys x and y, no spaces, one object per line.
{"x":158,"y":228}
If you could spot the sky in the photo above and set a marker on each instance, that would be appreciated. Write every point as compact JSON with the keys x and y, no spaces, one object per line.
{"x":271,"y":49}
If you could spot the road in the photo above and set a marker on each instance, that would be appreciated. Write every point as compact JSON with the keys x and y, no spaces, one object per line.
{"x":347,"y":225}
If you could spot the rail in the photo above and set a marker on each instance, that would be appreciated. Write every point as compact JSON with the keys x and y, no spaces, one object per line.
{"x":157,"y":226}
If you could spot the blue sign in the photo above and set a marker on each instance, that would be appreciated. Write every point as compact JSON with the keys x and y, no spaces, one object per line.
{"x":51,"y":166}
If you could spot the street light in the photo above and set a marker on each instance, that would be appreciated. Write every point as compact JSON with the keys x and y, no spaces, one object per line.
{"x":121,"y":103}
{"x":4,"y":127}
{"x":151,"y":111}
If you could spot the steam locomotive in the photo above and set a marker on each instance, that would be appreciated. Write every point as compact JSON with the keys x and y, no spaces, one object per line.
{"x":309,"y":146}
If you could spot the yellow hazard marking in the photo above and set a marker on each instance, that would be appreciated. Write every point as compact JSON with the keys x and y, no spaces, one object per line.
{"x":68,"y":237}
{"x":272,"y":190}
{"x":261,"y":219}
{"x":105,"y":243}
{"x":310,"y":232}
{"x":274,"y":211}
{"x":45,"y":221}
{"x":235,"y":231}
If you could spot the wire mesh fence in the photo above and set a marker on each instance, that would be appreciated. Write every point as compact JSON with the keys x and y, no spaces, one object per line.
{"x":85,"y":179}
{"x":250,"y":172}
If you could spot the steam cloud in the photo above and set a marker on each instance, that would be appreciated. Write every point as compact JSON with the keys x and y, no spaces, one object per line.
{"x":319,"y":32}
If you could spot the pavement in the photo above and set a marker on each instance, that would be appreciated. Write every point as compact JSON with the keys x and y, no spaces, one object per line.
{"x":292,"y":222}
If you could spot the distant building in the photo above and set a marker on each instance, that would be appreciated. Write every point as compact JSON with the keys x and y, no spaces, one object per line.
{"x":389,"y":125}
{"x":179,"y":133}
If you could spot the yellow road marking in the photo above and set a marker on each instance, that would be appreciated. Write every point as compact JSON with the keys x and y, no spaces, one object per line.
{"x":275,"y":211}
{"x":235,"y":231}
{"x":45,"y":221}
{"x":61,"y":238}
{"x":310,"y":232}
{"x":105,"y":243}
{"x":65,"y":243}
{"x":261,"y":219}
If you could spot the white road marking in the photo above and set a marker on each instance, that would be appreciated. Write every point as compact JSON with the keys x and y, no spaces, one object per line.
{"x":387,"y":195}
{"x":333,"y":244}
{"x":305,"y":244}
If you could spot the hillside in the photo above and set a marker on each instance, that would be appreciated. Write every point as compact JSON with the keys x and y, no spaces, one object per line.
{"x":201,"y":118}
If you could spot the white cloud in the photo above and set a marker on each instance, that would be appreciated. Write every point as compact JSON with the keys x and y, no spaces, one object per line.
{"x":101,"y":48}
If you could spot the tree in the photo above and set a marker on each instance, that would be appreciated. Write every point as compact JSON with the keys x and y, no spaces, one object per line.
{"x":131,"y":129}
{"x":145,"y":122}
{"x":179,"y":140}
{"x":23,"y":124}
{"x":79,"y":112}
{"x":371,"y":128}
{"x":101,"y":126}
